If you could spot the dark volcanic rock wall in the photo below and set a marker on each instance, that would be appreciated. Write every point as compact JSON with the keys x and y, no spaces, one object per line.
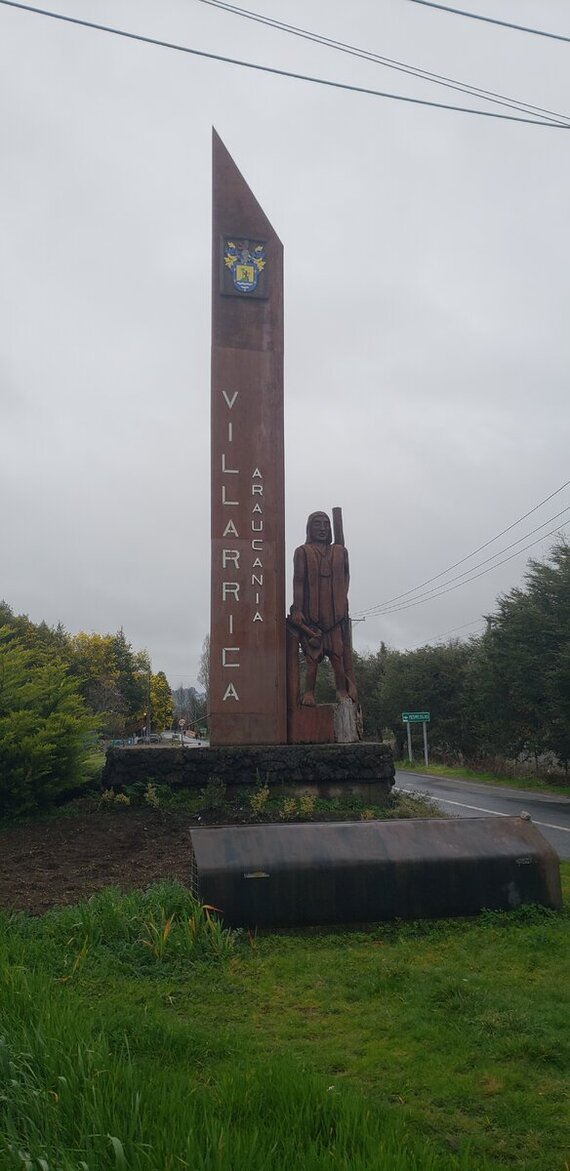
{"x":330,"y":770}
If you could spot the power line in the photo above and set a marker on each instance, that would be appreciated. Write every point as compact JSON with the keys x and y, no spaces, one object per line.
{"x":376,"y":58}
{"x":474,"y":552}
{"x":466,"y":572}
{"x":422,"y":601}
{"x":432,"y":642}
{"x":174,"y":46}
{"x":464,"y":626}
{"x":521,"y":28}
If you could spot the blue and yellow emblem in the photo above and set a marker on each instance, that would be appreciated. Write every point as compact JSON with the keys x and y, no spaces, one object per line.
{"x":245,"y":260}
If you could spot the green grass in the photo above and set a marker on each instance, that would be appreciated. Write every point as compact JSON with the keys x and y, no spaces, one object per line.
{"x":534,"y":784}
{"x":127,"y":1043}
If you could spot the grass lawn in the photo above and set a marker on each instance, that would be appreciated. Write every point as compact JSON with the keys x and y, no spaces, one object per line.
{"x":135,"y":1033}
{"x":465,"y":774}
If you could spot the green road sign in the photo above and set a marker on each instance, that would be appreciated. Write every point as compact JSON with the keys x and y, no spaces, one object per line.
{"x":416,"y":717}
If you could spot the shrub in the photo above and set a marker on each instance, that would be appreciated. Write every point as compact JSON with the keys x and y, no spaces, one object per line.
{"x":151,"y":795}
{"x":288,"y":808}
{"x":258,"y":800}
{"x":46,"y":732}
{"x":214,"y":794}
{"x":307,"y":803}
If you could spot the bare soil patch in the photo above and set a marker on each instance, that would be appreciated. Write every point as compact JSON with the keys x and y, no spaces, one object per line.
{"x":45,"y":864}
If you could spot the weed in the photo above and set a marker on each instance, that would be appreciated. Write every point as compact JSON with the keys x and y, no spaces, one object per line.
{"x":151,"y":795}
{"x":259,"y":780}
{"x":137,"y":791}
{"x":125,"y":933}
{"x":79,"y":960}
{"x":214,"y":795}
{"x":293,"y":807}
{"x":110,"y":798}
{"x":404,"y":805}
{"x":368,"y":815}
{"x":159,"y":933}
{"x":258,"y":800}
{"x":307,"y":802}
{"x":118,"y":1151}
{"x":288,"y":808}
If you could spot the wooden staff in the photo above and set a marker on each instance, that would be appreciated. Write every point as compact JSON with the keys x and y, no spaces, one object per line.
{"x":338,"y":531}
{"x":338,"y":537}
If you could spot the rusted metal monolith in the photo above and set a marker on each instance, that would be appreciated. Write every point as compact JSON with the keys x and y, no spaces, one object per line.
{"x":351,"y":872}
{"x":247,"y":644}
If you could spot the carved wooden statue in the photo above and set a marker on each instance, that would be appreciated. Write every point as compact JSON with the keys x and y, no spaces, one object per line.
{"x":319,"y":613}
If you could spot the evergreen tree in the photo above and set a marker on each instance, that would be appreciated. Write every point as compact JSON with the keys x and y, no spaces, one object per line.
{"x":46,"y":732}
{"x":429,"y":679}
{"x":519,"y":681}
{"x":369,"y":671}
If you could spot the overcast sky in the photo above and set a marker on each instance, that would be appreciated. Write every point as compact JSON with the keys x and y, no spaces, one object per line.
{"x":426,"y":304}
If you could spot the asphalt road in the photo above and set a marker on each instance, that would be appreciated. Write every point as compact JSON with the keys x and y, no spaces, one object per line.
{"x":468,"y":799}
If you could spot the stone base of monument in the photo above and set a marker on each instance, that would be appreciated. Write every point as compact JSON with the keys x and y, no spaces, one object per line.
{"x":363,"y":770}
{"x":361,"y":872}
{"x":326,"y":723}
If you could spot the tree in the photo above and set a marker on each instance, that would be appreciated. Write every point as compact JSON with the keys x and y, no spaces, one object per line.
{"x":190,"y":706}
{"x":161,"y":705}
{"x":133,"y":669}
{"x":45,"y":730}
{"x":113,"y":679}
{"x":94,"y":665}
{"x":204,"y":667}
{"x":369,"y":670}
{"x":429,"y":679}
{"x":54,"y":638}
{"x":519,"y":682}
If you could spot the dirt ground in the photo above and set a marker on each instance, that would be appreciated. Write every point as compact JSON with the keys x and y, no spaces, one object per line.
{"x":45,"y":864}
{"x":64,"y":859}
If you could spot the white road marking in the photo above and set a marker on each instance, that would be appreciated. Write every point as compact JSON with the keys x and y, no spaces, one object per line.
{"x":477,"y":809}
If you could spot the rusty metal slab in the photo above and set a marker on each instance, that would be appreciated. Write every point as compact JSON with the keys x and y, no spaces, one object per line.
{"x":357,"y":872}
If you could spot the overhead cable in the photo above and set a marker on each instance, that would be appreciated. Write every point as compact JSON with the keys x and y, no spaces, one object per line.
{"x":473,"y":553}
{"x":176,"y":47}
{"x":521,"y":28}
{"x":466,"y":573}
{"x":423,"y":600}
{"x":388,"y":62}
{"x":464,"y":626}
{"x":439,"y":637}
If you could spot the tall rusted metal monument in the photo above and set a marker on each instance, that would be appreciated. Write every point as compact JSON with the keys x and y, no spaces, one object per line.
{"x":304,"y":874}
{"x":247,"y":639}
